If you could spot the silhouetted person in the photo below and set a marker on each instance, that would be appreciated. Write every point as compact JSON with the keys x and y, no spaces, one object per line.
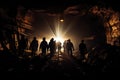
{"x":70,"y":47}
{"x":52,"y":46}
{"x":34,"y":46}
{"x":59,"y":46}
{"x":82,"y":49}
{"x":44,"y":46}
{"x":22,"y":45}
{"x":65,"y":46}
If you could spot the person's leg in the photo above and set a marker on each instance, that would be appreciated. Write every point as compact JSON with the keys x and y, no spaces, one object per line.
{"x":71,"y":52}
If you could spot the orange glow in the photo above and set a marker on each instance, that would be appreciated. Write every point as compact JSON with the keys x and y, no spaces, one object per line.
{"x":111,"y":20}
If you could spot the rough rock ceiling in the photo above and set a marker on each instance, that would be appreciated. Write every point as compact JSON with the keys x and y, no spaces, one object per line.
{"x":43,"y":4}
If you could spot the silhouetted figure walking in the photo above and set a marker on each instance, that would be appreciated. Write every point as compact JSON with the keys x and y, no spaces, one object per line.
{"x":59,"y":46}
{"x":65,"y":46}
{"x":34,"y":46}
{"x":70,"y":47}
{"x":44,"y":46}
{"x":82,"y":49}
{"x":52,"y":46}
{"x":22,"y":45}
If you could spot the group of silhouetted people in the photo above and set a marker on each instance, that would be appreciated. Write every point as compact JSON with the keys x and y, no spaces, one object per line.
{"x":52,"y":46}
{"x":44,"y":46}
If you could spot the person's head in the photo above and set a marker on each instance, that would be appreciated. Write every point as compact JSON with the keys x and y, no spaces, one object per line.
{"x":34,"y":38}
{"x":44,"y":38}
{"x":82,"y":41}
{"x":69,"y":40}
{"x":52,"y":39}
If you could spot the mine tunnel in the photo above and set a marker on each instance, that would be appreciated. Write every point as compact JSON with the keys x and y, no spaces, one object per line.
{"x":97,"y":23}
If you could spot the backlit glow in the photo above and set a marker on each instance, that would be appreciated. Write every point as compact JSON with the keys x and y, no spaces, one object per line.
{"x":59,"y":39}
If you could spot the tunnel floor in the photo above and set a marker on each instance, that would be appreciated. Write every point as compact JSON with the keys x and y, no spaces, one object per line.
{"x":59,"y":65}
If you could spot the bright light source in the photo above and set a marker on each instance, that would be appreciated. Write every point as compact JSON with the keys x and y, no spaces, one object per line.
{"x":61,"y":20}
{"x":61,"y":40}
{"x":58,"y":38}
